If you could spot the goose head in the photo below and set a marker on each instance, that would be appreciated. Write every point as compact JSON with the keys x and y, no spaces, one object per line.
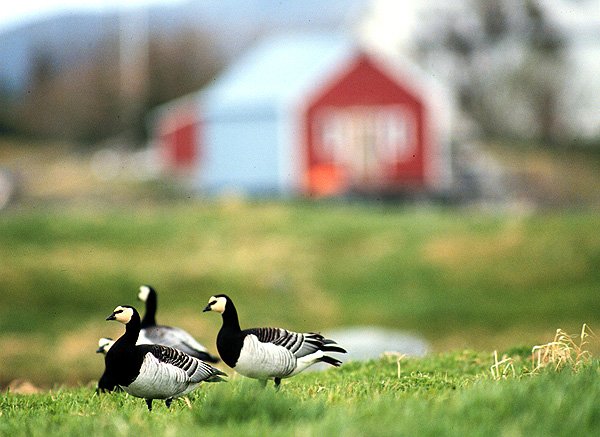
{"x":217,"y":303}
{"x":123,"y":314}
{"x":145,"y":291}
{"x":104,"y":345}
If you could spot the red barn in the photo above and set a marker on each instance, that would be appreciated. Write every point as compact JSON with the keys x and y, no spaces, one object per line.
{"x":176,"y":133}
{"x":319,"y":115}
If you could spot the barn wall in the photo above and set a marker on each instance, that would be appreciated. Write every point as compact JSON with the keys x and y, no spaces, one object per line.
{"x":365,"y":132}
{"x":240,"y":154}
{"x":260,"y":135}
{"x":439,"y":103}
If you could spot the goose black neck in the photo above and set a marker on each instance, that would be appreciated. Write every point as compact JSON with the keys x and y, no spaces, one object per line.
{"x":230,"y":317}
{"x":150,"y":315}
{"x":132,"y":329}
{"x":123,"y":361}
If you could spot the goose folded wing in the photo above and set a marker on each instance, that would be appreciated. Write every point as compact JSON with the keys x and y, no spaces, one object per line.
{"x":299,"y":344}
{"x":157,"y":335}
{"x":197,"y":370}
{"x":173,"y":337}
{"x":185,"y":342}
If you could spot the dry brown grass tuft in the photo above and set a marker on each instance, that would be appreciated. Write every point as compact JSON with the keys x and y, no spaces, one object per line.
{"x":564,"y":350}
{"x":501,"y":369}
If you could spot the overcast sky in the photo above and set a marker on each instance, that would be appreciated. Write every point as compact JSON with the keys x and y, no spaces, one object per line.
{"x":15,"y":12}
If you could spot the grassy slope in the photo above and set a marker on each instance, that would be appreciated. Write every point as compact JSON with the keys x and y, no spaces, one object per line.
{"x":448,"y":394}
{"x":458,"y":278}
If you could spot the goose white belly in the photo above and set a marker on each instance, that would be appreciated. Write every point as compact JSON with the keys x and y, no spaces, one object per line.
{"x":264,"y":360}
{"x":158,"y":380}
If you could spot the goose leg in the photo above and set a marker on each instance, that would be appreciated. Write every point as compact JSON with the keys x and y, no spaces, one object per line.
{"x":168,"y":402}
{"x":149,"y":403}
{"x":277,"y":382}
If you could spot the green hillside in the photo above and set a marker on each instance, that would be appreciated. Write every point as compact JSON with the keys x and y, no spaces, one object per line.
{"x":460,"y":278}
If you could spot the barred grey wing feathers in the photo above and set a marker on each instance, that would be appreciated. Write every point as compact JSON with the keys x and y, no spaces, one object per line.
{"x":300,"y":344}
{"x":265,"y":335}
{"x":197,"y":370}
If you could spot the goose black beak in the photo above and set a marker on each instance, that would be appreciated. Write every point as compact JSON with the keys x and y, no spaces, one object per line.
{"x":207,"y":308}
{"x":111,"y":317}
{"x":99,"y":350}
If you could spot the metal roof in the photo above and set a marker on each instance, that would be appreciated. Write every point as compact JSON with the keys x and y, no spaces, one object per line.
{"x":275,"y":73}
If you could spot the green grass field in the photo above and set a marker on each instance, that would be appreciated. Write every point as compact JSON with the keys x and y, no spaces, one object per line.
{"x":464,"y":280}
{"x":460,"y":279}
{"x":447,"y":394}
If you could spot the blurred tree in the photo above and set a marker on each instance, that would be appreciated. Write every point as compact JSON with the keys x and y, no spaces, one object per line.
{"x":7,"y":119}
{"x":547,"y":76}
{"x":74,"y":104}
{"x":84,"y":102}
{"x":180,"y":64}
{"x":507,"y":62}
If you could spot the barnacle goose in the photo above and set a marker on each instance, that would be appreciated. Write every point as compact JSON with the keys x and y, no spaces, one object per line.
{"x":104,"y":344}
{"x":264,"y":353}
{"x":104,"y":383}
{"x":151,"y":333}
{"x":152,"y":371}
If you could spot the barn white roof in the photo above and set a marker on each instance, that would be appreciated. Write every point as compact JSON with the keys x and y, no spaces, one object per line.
{"x":275,"y":73}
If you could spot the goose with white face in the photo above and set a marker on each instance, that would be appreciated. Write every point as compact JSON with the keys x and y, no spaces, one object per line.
{"x":216,"y":304}
{"x":144,"y":293}
{"x":121,"y":314}
{"x":104,"y":344}
{"x":153,"y":333}
{"x":268,"y":353}
{"x":151,"y":371}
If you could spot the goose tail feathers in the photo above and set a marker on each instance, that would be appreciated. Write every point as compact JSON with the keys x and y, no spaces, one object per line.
{"x":330,"y":360}
{"x":331,"y":346}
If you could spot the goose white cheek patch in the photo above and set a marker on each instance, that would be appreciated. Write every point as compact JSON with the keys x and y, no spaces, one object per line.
{"x":219,"y":305}
{"x":125,"y":315}
{"x":144,"y":292}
